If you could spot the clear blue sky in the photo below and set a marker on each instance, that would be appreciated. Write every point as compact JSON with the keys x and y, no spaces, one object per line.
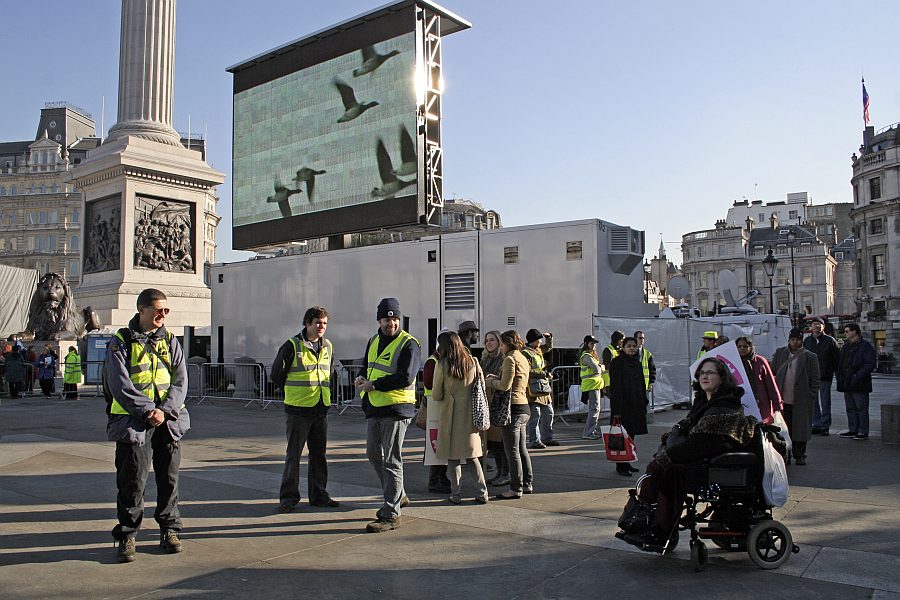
{"x":656,"y":115}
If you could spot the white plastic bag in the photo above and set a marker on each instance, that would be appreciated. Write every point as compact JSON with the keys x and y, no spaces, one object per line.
{"x":778,"y":421}
{"x":775,"y":482}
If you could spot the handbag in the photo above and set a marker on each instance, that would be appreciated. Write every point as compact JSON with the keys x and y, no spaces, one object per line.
{"x":422,"y":415}
{"x":539,"y":387}
{"x":628,"y":453}
{"x":637,"y":516}
{"x":500,"y":409}
{"x":480,"y":413}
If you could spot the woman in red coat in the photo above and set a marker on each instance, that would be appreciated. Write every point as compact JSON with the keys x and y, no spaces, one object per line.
{"x":762,"y":379}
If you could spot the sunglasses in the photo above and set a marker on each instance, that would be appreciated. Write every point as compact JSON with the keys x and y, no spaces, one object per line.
{"x":158,"y":311}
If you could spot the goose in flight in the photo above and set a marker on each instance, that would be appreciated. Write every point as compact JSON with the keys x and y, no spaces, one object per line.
{"x":371,"y":60}
{"x":408,"y":163}
{"x":352,"y":108}
{"x":282,"y":197}
{"x":309,"y":176}
{"x":390,"y":185}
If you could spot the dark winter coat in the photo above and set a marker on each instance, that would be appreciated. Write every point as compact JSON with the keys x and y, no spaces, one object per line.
{"x":15,"y":368}
{"x":806,"y":389}
{"x":627,"y":393}
{"x":713,"y":426}
{"x":855,"y":367}
{"x":826,"y":349}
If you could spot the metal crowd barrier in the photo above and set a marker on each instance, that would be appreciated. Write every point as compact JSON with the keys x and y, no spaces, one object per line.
{"x":344,"y":396}
{"x":566,"y":386}
{"x":243,"y":382}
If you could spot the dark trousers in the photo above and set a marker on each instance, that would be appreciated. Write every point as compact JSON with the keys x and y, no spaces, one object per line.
{"x":48,"y":386}
{"x":665,"y":488}
{"x":312,"y":432}
{"x":798,"y":449}
{"x":15,"y":388}
{"x":71,"y":391}
{"x":132,"y":470}
{"x":499,"y":453}
{"x":437,"y":476}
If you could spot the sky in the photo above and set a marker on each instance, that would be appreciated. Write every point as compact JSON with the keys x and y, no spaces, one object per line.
{"x":651,"y":114}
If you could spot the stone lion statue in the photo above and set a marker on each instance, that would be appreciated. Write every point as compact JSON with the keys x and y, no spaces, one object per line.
{"x":52,"y":314}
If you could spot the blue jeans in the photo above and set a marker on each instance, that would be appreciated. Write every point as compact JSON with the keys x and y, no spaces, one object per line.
{"x":541,"y":414}
{"x":857,"y":411}
{"x":520,"y":474}
{"x":822,"y":408}
{"x":384,"y":443}
{"x":593,"y":414}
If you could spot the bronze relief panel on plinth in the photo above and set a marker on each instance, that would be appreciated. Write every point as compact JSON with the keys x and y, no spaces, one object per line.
{"x":163,"y":235}
{"x":101,"y":244}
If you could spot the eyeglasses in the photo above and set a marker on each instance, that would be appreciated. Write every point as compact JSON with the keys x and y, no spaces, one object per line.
{"x":159,"y":311}
{"x":707,"y":373}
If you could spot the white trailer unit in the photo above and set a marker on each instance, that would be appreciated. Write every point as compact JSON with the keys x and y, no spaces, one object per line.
{"x":554,"y":277}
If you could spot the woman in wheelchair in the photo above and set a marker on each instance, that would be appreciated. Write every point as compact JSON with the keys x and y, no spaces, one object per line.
{"x":716,"y":424}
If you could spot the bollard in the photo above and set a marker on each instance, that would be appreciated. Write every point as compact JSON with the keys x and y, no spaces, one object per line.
{"x":890,"y":423}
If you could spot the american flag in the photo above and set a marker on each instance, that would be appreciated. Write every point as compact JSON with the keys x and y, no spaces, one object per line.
{"x":865,"y":103}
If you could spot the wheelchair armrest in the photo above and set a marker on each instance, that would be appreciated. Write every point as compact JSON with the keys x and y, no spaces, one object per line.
{"x":734,"y":459}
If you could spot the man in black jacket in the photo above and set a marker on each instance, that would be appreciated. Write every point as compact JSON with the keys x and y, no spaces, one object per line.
{"x":826,"y":349}
{"x":854,"y":378}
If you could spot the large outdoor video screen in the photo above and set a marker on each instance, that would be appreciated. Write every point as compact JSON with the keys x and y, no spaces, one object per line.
{"x":333,"y":135}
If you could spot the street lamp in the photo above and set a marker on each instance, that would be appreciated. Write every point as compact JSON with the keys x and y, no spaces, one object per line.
{"x":791,"y":238}
{"x":646,"y":282}
{"x":770,"y":263}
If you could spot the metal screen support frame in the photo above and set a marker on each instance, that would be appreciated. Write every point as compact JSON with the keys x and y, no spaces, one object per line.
{"x":429,"y":113}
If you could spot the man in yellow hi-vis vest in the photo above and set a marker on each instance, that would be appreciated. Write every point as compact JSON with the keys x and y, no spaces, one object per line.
{"x":71,"y":374}
{"x":647,"y":365}
{"x":147,"y":380}
{"x":393,"y":358}
{"x":302,"y":368}
{"x":609,"y":353}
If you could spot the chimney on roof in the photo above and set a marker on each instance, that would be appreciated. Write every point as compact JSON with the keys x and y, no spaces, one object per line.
{"x":774,"y":220}
{"x":720,"y":224}
{"x":749,"y":224}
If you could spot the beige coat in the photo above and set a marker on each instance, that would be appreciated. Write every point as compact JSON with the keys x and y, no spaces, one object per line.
{"x":513,"y":377}
{"x":457,"y":436}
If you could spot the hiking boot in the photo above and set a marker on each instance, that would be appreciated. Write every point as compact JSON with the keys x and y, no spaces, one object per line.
{"x":125,"y":551}
{"x":380,"y":525}
{"x":501,"y":480}
{"x":168,"y":541}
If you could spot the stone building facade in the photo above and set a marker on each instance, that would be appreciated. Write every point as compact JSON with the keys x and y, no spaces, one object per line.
{"x":830,"y":221}
{"x":41,"y":219}
{"x":876,"y":225}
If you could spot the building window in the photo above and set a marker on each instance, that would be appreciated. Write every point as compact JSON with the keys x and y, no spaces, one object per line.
{"x":73,"y":268}
{"x":759,"y":278}
{"x":42,"y":217}
{"x":51,"y":243}
{"x":701,"y":279}
{"x":54,"y":217}
{"x":781,"y":276}
{"x":878,"y":269}
{"x":762,"y":218}
{"x":2,"y":190}
{"x":75,"y":215}
{"x":510,"y":255}
{"x":875,"y":188}
{"x":806,"y":276}
{"x":792,"y":214}
{"x":573,"y":250}
{"x":13,"y":190}
{"x":723,"y":249}
{"x":432,"y":254}
{"x":839,"y":255}
{"x":876,"y":226}
{"x":699,"y":251}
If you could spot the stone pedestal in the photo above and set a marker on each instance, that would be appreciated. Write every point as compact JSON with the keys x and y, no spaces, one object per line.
{"x":144,"y":218}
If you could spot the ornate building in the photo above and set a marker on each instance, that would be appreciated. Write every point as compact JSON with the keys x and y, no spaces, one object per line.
{"x":876,"y":226}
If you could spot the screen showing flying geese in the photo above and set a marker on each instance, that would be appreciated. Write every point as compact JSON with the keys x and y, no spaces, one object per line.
{"x":333,"y":135}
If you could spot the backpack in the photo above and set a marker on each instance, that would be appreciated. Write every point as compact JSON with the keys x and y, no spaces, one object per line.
{"x":125,"y":333}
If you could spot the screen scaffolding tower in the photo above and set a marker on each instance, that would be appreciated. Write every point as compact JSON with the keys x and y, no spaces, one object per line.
{"x":428,"y":34}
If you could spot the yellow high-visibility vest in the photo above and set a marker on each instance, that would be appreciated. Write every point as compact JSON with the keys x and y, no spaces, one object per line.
{"x":384,"y":364}
{"x":645,"y":366}
{"x":145,"y":372}
{"x":72,"y":370}
{"x":309,"y":377}
{"x":613,"y":353}
{"x":589,"y":380}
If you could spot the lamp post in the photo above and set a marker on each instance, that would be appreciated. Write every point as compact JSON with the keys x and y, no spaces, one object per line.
{"x":646,"y":282}
{"x":770,"y":263}
{"x":791,"y":238}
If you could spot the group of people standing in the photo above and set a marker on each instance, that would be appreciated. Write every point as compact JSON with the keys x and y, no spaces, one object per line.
{"x":15,"y":359}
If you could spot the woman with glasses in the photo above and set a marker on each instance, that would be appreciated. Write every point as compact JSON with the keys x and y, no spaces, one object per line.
{"x":715,"y":425}
{"x":628,"y":395}
{"x":761,"y":378}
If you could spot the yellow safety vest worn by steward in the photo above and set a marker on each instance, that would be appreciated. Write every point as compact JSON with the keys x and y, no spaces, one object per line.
{"x":72,"y":370}
{"x":590,"y":381}
{"x":701,"y":352}
{"x":309,"y":377}
{"x":382,"y":364}
{"x":433,"y":359}
{"x":645,"y":366}
{"x":612,"y":354}
{"x":535,"y":357}
{"x":148,"y":369}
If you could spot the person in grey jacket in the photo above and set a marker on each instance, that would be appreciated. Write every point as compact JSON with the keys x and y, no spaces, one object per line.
{"x":797,"y":374}
{"x":146,"y":378}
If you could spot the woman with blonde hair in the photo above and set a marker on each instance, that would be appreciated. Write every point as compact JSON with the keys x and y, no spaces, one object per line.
{"x":513,"y":378}
{"x":458,"y":439}
{"x":491,"y":361}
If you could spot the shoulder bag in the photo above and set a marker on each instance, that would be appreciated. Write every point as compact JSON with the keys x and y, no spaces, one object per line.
{"x":480,"y":413}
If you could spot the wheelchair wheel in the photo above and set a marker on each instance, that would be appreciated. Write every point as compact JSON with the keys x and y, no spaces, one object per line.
{"x":699,"y":555}
{"x":769,"y":544}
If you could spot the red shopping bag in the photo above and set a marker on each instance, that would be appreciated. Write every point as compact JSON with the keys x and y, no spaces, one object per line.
{"x":618,"y":444}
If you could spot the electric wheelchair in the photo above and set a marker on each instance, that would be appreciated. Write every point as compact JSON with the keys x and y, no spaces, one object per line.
{"x":723,"y":503}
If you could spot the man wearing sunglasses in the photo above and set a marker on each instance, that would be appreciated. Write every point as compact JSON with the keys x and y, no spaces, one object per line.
{"x":145,"y":382}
